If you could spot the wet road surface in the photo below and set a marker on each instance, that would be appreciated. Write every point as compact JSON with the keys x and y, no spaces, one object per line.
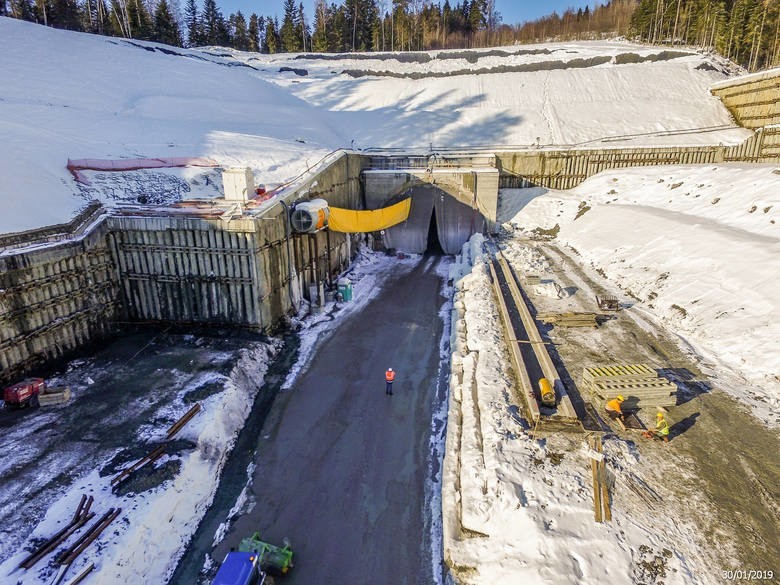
{"x":341,"y":467}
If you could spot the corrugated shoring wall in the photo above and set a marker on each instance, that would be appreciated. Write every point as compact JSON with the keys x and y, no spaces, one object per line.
{"x":165,"y":269}
{"x":191,"y":270}
{"x":753,"y":100}
{"x":53,"y":300}
{"x":565,"y":169}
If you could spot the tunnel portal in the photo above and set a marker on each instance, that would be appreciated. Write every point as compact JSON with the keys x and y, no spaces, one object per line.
{"x":437,"y":223}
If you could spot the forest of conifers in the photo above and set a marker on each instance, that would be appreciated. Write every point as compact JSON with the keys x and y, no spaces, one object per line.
{"x":745,"y":31}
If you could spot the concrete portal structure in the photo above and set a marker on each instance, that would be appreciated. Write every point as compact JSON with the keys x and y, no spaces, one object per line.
{"x":452,"y":222}
{"x":458,"y":193}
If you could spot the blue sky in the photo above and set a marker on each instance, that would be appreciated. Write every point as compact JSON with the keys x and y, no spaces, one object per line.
{"x":512,"y":11}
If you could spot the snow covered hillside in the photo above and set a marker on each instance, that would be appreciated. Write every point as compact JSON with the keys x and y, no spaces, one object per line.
{"x":72,"y":95}
{"x":696,"y":247}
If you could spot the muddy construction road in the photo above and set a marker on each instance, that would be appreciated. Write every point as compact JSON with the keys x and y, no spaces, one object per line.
{"x":719,"y":476}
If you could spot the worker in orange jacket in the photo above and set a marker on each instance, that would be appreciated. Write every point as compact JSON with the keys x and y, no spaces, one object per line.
{"x":389,"y":377}
{"x":614,"y":411}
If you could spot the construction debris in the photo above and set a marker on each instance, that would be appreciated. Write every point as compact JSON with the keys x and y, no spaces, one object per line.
{"x":607,"y":303}
{"x":570,"y":319}
{"x":639,"y":383}
{"x":56,"y":395}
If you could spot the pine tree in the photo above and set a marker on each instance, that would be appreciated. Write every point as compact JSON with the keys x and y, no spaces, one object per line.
{"x":166,"y":29}
{"x":212,"y":24}
{"x":319,"y":37}
{"x":192,"y":20}
{"x":240,"y":33}
{"x":22,"y":9}
{"x":338,"y":31}
{"x":476,"y":16}
{"x":271,"y":42}
{"x":302,"y":28}
{"x":65,"y":14}
{"x":291,"y":42}
{"x":101,"y":24}
{"x":140,"y":20}
{"x":254,"y":33}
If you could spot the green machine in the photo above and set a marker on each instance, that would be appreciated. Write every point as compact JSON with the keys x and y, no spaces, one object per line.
{"x":275,"y":560}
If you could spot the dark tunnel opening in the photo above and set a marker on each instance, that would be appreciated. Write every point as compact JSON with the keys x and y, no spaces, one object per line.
{"x":434,"y":247}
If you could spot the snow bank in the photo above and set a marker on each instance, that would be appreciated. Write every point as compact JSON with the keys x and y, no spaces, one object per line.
{"x":696,"y":247}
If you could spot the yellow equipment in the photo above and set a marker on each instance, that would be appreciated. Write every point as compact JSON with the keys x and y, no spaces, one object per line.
{"x":546,"y":392}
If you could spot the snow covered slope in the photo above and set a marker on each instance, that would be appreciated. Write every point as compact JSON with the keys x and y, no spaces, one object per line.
{"x":72,"y":95}
{"x":82,"y":96}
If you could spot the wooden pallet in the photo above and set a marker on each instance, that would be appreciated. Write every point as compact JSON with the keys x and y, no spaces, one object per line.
{"x":658,"y":392}
{"x":569,"y":319}
{"x":53,"y":396}
{"x":617,"y":372}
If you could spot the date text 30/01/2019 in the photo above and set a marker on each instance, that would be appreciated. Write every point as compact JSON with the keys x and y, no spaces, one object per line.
{"x":748,"y":575}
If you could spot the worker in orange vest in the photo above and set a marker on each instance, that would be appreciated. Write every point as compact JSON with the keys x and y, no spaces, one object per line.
{"x":613,"y":408}
{"x":389,"y":377}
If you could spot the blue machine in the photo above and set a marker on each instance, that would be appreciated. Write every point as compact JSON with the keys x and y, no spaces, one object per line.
{"x":240,"y":568}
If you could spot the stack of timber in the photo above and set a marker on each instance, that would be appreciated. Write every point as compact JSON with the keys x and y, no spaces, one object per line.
{"x":569,"y":319}
{"x":533,"y":279}
{"x":639,"y":383}
{"x":601,"y":509}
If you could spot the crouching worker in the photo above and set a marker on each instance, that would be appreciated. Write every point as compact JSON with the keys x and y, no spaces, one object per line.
{"x":614,"y":411}
{"x":661,"y":431}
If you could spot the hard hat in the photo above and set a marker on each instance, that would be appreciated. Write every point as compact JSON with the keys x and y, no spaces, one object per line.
{"x":621,"y":398}
{"x":660,"y":415}
{"x":389,"y":369}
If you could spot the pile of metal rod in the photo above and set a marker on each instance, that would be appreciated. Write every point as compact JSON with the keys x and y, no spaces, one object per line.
{"x":126,"y":473}
{"x":67,"y":556}
{"x":82,"y":516}
{"x":156,"y":453}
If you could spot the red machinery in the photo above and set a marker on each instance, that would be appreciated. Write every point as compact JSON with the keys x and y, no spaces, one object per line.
{"x":24,"y":393}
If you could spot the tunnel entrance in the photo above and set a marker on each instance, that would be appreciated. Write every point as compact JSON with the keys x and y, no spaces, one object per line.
{"x":437,"y":224}
{"x":434,"y":247}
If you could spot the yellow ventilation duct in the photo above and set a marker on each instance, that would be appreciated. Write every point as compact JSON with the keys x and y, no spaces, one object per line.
{"x":353,"y":221}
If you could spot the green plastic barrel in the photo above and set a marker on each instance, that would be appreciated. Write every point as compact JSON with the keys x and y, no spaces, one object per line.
{"x":345,"y":289}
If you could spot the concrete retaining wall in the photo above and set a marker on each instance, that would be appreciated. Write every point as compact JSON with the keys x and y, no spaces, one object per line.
{"x":567,"y":168}
{"x":55,"y":299}
{"x":753,"y":100}
{"x":142,"y":267}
